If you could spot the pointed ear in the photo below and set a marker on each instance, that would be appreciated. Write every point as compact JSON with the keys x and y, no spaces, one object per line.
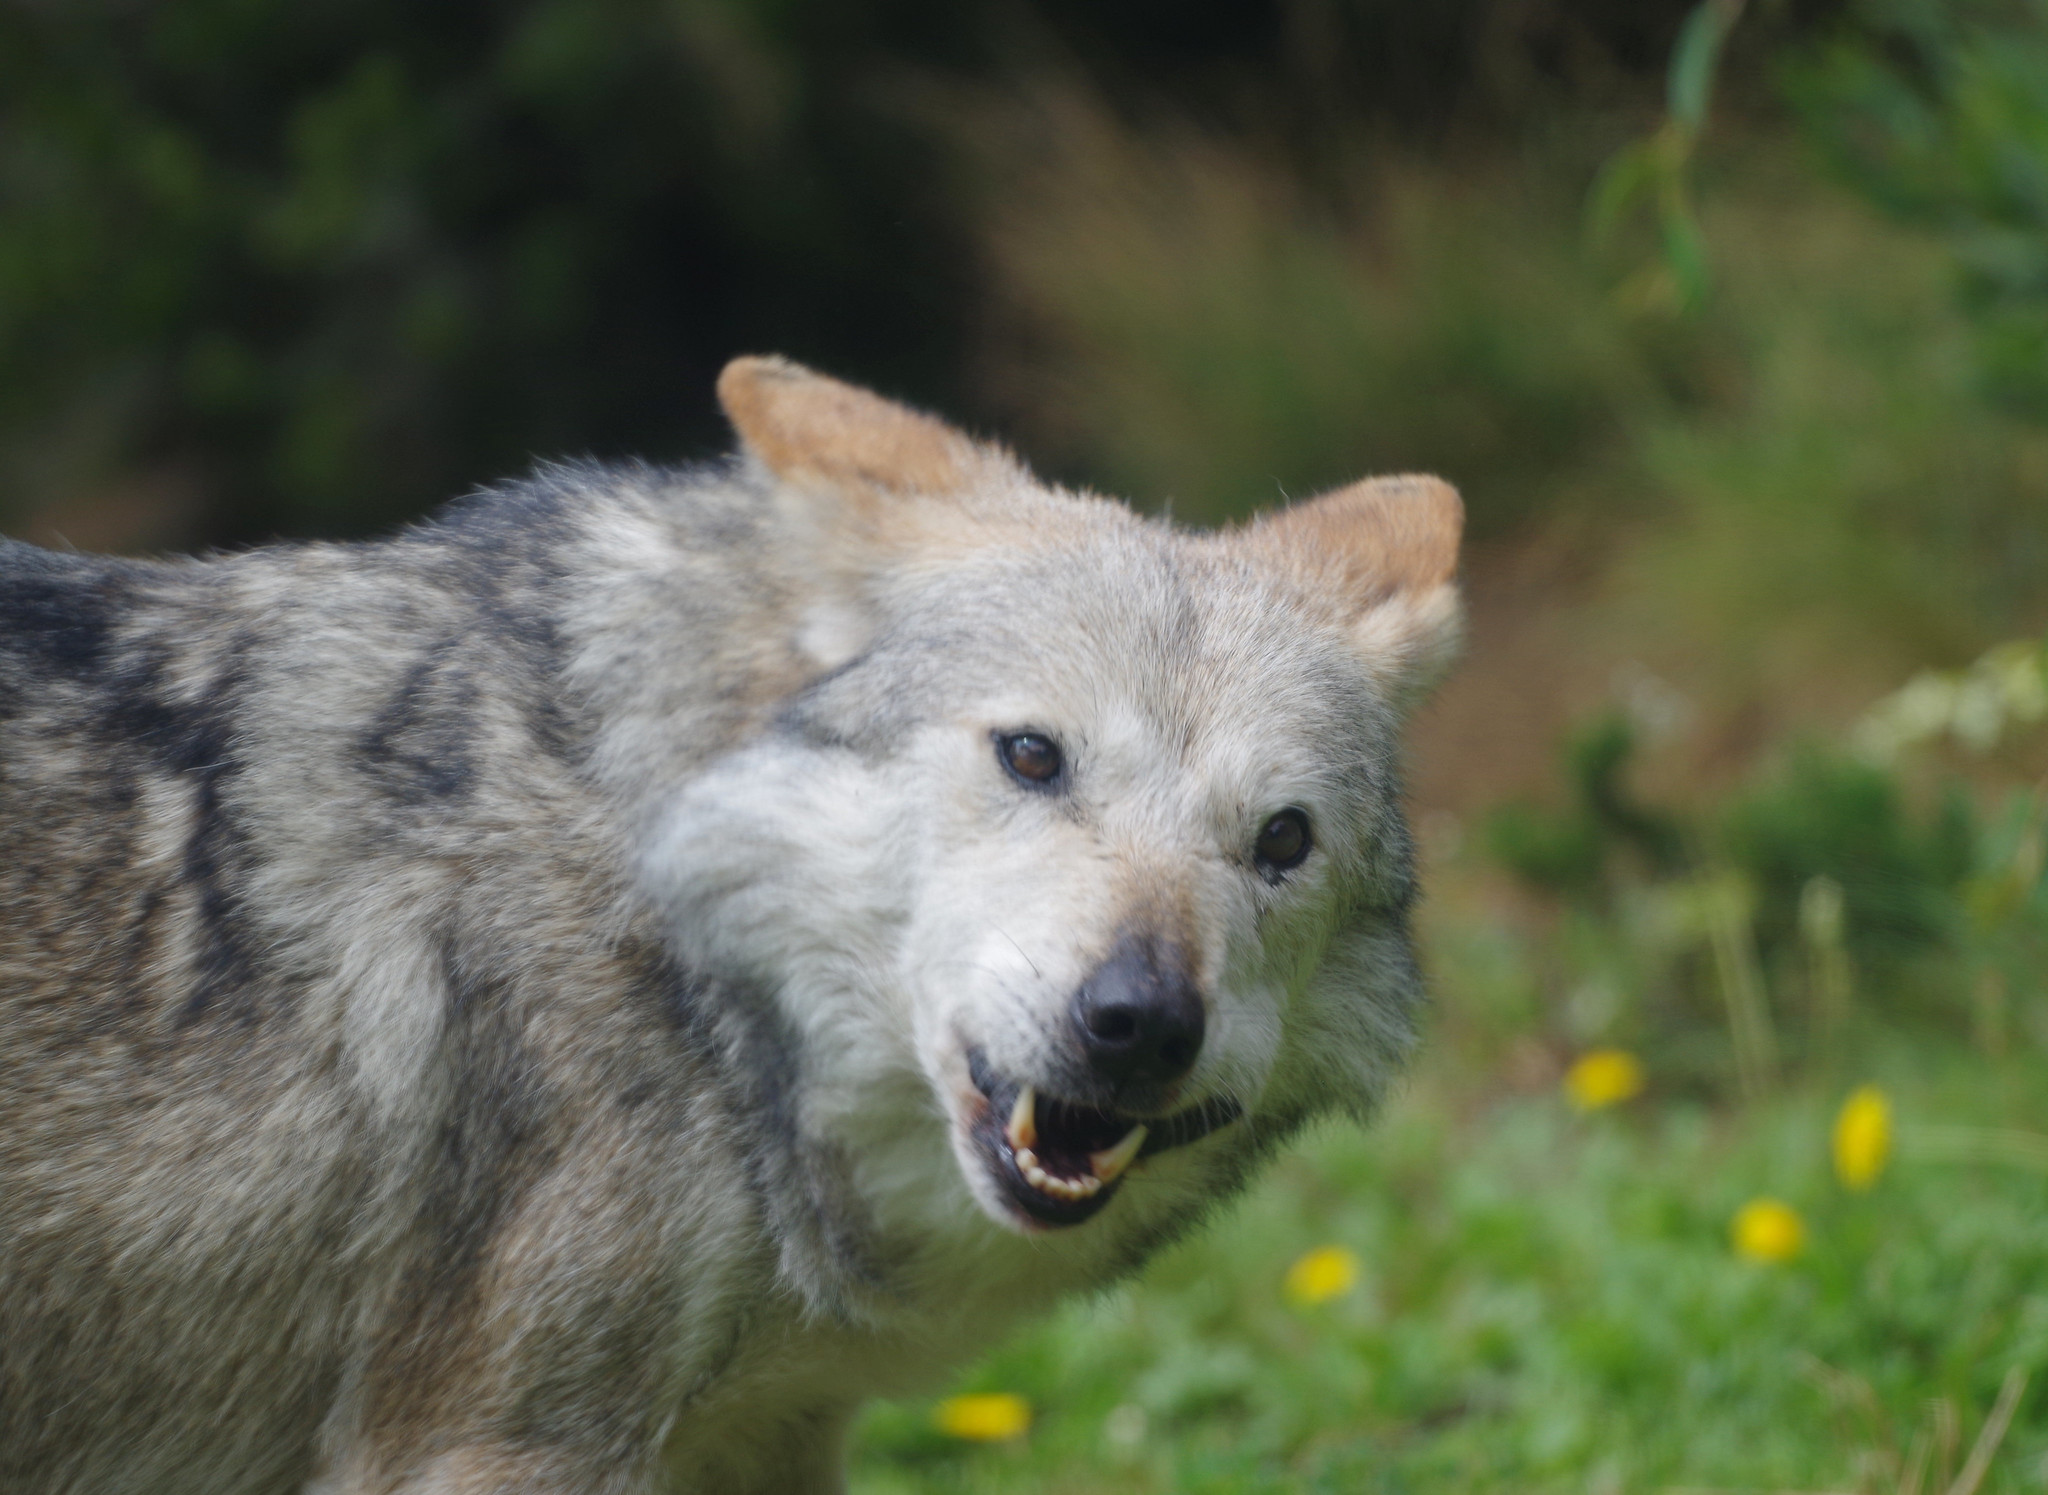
{"x":817,"y":432}
{"x":1383,"y":554}
{"x":864,"y":488}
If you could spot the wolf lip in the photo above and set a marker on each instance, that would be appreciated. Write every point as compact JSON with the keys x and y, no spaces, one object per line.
{"x":1060,"y":1161}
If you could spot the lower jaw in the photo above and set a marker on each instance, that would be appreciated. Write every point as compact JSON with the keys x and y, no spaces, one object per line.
{"x":1043,"y":1209}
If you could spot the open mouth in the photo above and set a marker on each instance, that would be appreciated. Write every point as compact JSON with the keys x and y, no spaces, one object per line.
{"x":1060,"y":1161}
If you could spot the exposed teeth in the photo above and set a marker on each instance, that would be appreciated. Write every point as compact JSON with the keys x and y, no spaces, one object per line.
{"x":1062,"y":1188}
{"x":1110,"y":1163}
{"x":1051,"y":1183}
{"x":1105,"y":1167}
{"x":1023,"y":1128}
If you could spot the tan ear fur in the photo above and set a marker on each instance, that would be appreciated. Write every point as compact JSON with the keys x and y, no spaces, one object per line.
{"x":866,"y":487}
{"x":1383,"y":553}
{"x":805,"y":427}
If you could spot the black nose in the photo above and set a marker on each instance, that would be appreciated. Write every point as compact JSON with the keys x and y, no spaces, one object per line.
{"x":1139,"y":1016}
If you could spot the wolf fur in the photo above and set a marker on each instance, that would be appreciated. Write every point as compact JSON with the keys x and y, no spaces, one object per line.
{"x":511,"y":1007}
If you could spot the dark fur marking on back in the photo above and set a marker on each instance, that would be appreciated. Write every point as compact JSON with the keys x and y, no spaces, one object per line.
{"x":499,"y":547}
{"x":214,"y":856}
{"x":57,"y":610}
{"x":195,"y":740}
{"x":419,"y":747}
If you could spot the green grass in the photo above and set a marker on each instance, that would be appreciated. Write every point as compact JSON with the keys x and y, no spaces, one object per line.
{"x":1549,"y":1301}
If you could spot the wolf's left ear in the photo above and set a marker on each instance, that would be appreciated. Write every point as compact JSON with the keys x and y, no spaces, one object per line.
{"x":816,"y":432}
{"x":1383,"y":553}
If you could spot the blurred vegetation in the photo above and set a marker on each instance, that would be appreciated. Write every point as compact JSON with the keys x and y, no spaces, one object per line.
{"x":321,"y":265}
{"x":1821,"y":871}
{"x":272,"y":267}
{"x":1938,"y":112}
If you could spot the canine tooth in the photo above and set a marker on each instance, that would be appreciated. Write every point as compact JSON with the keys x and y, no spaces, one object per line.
{"x":1026,"y":1158}
{"x":1111,"y":1161}
{"x":1024,"y":1119}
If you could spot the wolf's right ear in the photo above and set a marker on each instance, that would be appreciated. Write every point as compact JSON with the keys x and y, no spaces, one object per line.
{"x":1383,"y":553}
{"x":814,"y":431}
{"x":864,"y":488}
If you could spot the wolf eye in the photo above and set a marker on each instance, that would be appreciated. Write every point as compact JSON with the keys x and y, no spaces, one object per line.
{"x":1283,"y":842}
{"x":1030,"y":757}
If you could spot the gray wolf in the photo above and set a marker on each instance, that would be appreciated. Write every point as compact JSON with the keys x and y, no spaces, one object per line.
{"x":579,"y":995}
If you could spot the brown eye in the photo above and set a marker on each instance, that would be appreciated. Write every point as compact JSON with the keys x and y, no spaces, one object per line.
{"x":1030,"y":757}
{"x":1283,"y":843}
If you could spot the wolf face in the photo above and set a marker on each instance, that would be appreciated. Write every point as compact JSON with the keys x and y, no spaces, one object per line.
{"x":1081,"y":861}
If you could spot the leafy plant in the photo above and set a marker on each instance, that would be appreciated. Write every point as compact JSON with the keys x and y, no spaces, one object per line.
{"x":1655,"y":173}
{"x":1579,"y":851}
{"x":1937,"y":111}
{"x":1817,"y":885}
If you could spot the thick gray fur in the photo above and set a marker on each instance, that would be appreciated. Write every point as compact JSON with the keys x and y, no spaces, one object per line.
{"x":394,"y":1094}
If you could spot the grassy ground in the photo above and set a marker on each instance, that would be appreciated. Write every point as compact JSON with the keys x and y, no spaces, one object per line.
{"x":1549,"y":1300}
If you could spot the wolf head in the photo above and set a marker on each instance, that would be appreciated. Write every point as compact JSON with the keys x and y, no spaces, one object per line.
{"x":1077,"y":868}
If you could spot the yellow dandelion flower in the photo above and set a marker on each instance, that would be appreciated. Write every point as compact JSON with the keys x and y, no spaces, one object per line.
{"x":1604,"y":1077}
{"x":1768,"y":1230}
{"x":987,"y":1417}
{"x":1320,"y":1275}
{"x":1863,"y":1137}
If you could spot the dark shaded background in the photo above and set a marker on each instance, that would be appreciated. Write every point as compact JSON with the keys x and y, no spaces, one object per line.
{"x":307,"y":267}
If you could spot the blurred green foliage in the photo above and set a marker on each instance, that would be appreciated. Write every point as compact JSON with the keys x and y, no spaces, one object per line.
{"x":1922,"y":893}
{"x":343,"y":259}
{"x":1184,"y":321}
{"x":318,"y":265}
{"x":1657,"y":170}
{"x":1574,"y":853}
{"x":1828,"y":814}
{"x":1822,"y":813}
{"x":1937,"y":111}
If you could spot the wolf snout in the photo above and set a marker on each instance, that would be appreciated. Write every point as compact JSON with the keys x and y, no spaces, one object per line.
{"x":1139,"y":1018}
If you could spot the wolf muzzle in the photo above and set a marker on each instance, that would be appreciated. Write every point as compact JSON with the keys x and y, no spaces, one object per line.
{"x":1139,"y":1019}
